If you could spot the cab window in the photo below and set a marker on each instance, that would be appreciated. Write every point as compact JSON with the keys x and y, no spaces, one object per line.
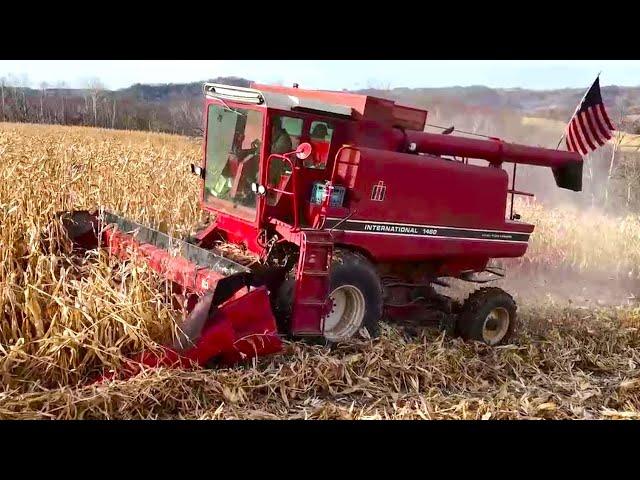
{"x":320,"y":135}
{"x":232,"y":155}
{"x":286,"y":133}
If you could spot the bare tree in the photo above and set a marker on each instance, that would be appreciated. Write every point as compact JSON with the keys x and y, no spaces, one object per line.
{"x":95,"y":89}
{"x":20,"y":93}
{"x":43,"y":92}
{"x":617,"y":141}
{"x":2,"y":84}
{"x":86,"y":105}
{"x":61,"y":90}
{"x":628,"y":173}
{"x":113,"y":113}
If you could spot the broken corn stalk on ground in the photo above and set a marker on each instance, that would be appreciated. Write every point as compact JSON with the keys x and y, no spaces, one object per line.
{"x":65,"y":320}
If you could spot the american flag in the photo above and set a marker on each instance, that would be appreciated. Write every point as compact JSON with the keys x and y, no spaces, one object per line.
{"x":590,"y":127}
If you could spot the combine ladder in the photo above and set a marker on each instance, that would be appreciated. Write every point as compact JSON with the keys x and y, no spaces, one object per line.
{"x":312,"y":283}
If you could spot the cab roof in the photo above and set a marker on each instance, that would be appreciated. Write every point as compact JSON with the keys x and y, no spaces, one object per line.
{"x":343,"y":104}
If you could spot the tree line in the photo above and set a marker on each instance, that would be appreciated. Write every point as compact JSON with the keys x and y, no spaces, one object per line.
{"x":168,"y":108}
{"x":611,"y":178}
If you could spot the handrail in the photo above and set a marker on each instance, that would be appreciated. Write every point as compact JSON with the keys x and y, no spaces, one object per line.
{"x":335,"y":162}
{"x":520,"y":192}
{"x":329,"y":191}
{"x":513,"y":192}
{"x":295,"y":184}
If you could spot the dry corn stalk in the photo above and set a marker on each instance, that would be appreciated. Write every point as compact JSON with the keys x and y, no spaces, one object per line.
{"x":65,"y":319}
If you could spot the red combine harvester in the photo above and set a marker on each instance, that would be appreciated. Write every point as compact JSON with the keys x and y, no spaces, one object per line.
{"x":353,"y":210}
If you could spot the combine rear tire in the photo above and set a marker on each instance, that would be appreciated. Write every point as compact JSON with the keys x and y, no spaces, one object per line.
{"x":488,"y":315}
{"x":356,"y":295}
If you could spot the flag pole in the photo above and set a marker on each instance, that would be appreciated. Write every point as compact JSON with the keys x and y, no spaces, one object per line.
{"x":576,"y":110}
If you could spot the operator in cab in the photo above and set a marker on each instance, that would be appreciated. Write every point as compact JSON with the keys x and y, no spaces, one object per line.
{"x":280,"y":139}
{"x":318,"y":136}
{"x":319,"y":132}
{"x":280,"y":144}
{"x":246,"y":162}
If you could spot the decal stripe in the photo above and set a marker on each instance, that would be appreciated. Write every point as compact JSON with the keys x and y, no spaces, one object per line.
{"x":361,"y":226}
{"x":338,"y":220}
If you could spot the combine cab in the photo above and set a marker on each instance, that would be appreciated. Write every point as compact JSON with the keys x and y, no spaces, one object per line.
{"x":354,"y":213}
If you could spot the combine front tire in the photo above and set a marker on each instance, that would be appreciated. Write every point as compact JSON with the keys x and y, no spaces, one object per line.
{"x":488,"y":315}
{"x":356,"y":297}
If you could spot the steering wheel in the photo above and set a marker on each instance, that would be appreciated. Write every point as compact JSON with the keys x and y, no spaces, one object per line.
{"x":249,"y":156}
{"x":244,"y":155}
{"x":251,"y":152}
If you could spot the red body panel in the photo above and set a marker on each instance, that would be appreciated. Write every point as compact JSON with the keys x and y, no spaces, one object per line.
{"x":428,"y":190}
{"x":176,"y":269}
{"x":235,"y":230}
{"x":392,"y":248}
{"x":422,"y":192}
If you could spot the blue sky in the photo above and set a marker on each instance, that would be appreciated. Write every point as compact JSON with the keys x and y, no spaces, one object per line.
{"x":332,"y":74}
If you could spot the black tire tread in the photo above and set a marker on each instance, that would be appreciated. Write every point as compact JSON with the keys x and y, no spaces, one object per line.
{"x":474,"y":311}
{"x":351,"y":260}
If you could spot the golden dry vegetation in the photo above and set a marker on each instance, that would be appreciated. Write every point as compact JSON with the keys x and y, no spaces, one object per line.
{"x":627,"y":142}
{"x":65,"y":320}
{"x":582,"y":240}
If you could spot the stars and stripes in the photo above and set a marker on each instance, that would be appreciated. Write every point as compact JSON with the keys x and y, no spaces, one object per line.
{"x":590,"y":127}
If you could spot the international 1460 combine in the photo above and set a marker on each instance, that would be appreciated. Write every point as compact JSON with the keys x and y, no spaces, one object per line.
{"x":354,"y":213}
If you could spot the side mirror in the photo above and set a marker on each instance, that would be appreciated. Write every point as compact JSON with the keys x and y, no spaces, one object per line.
{"x":197,"y":170}
{"x":304,"y":151}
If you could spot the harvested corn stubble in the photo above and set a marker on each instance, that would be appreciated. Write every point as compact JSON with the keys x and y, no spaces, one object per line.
{"x":66,"y":319}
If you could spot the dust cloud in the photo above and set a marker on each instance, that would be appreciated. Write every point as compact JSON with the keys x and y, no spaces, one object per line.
{"x":577,"y":289}
{"x":599,"y":202}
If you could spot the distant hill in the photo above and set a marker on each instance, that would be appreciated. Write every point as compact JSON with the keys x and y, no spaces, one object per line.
{"x":547,"y":103}
{"x":177,"y":107}
{"x":164,"y":92}
{"x":555,"y":104}
{"x":558,"y":104}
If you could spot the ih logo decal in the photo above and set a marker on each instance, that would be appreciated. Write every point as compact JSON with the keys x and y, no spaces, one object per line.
{"x":378,"y":192}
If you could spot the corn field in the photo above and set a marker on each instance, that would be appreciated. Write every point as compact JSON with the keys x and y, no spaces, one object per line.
{"x":65,"y":319}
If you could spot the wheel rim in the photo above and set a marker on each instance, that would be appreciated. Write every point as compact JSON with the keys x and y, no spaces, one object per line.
{"x":346,"y":315}
{"x":496,"y":325}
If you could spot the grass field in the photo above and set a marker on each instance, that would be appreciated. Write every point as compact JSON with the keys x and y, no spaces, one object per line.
{"x":63,"y":320}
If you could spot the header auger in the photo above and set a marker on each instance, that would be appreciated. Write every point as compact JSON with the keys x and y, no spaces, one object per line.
{"x":354,"y":212}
